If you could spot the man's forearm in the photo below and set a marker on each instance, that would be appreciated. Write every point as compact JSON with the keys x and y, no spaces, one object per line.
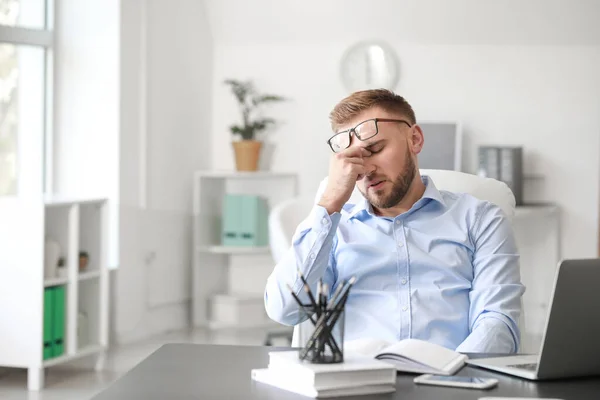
{"x":309,"y":254}
{"x":496,"y":288}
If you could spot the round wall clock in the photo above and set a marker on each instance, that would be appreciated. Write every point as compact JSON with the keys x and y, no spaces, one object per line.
{"x":369,"y":65}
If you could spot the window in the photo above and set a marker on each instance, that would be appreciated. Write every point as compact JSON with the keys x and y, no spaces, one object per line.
{"x":24,"y":13}
{"x":25,"y":83}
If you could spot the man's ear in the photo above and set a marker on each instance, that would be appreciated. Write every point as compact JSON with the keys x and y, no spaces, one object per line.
{"x":416,"y":139}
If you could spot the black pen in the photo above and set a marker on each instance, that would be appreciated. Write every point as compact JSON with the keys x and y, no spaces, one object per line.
{"x":302,"y":306}
{"x":307,"y":290}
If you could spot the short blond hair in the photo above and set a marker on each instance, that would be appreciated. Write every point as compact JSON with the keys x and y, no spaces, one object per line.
{"x":363,"y":100}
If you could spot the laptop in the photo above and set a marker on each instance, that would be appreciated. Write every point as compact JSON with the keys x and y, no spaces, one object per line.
{"x":571,"y":342}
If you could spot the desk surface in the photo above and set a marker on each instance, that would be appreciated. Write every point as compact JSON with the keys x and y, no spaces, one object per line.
{"x":195,"y":371}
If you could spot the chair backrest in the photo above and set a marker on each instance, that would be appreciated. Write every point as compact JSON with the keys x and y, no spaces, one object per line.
{"x":285,"y":218}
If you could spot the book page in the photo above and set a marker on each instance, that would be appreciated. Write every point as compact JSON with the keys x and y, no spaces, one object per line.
{"x":367,"y":347}
{"x":429,"y":354}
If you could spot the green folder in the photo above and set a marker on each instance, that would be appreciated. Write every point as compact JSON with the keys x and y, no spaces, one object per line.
{"x":58,"y":325}
{"x":245,"y":221}
{"x":254,"y":221}
{"x":48,"y":319}
{"x":232,"y":220}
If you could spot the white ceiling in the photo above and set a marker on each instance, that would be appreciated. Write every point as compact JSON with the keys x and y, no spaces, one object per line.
{"x":418,"y":21}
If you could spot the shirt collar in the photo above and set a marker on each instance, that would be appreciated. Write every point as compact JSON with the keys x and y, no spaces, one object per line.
{"x":431,"y":192}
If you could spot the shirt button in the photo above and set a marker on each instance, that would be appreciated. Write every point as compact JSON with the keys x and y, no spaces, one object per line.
{"x":397,"y":222}
{"x":400,"y":244}
{"x":324,"y":221}
{"x":404,"y":308}
{"x":403,"y":281}
{"x":312,"y":256}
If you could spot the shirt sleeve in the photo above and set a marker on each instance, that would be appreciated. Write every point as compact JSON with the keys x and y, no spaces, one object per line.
{"x":310,"y":253}
{"x":496,"y":289}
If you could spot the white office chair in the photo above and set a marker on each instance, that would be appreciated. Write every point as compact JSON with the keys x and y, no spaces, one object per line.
{"x":285,"y":218}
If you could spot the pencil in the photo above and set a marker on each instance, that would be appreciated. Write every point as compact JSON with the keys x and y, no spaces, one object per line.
{"x":324,"y":294}
{"x":307,"y":290}
{"x":341,"y":288}
{"x":319,"y":297}
{"x":302,"y":306}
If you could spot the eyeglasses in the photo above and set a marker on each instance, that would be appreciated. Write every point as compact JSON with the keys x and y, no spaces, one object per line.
{"x":363,"y":131}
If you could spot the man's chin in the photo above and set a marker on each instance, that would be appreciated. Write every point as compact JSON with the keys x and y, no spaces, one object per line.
{"x":379,"y":193}
{"x":377,"y":200}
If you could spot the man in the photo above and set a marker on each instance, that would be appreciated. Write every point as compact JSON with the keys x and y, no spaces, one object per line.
{"x":432,"y":265}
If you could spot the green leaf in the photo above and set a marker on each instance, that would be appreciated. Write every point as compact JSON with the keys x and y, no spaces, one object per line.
{"x":241,"y":90}
{"x":267,"y":98}
{"x":249,"y":100}
{"x":261,"y":124}
{"x":236,"y":129}
{"x":247,"y":133}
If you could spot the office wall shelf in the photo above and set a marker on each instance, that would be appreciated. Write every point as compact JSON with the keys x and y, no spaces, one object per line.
{"x":220,"y":272}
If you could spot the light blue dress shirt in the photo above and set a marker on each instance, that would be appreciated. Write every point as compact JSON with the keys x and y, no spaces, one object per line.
{"x":446,"y":271}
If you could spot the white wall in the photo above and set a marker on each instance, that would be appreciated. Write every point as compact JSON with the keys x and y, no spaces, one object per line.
{"x":132,"y":101}
{"x":86,"y":103}
{"x":413,"y":21}
{"x":166,"y":76}
{"x":532,"y":85}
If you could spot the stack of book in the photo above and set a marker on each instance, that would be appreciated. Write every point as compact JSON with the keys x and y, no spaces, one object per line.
{"x":357,"y":375}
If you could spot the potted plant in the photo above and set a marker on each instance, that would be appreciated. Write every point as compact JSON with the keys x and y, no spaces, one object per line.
{"x":247,"y":150}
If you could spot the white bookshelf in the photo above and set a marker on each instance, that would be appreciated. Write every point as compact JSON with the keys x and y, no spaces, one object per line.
{"x":228,"y":282}
{"x":76,"y":225}
{"x":84,"y":276}
{"x":55,"y":282}
{"x":83,"y":352}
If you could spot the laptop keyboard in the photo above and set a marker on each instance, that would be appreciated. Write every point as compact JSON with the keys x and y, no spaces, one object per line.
{"x":528,"y":367}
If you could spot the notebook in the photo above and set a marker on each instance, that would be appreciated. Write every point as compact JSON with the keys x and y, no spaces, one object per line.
{"x":357,"y":375}
{"x":270,"y":377}
{"x":410,"y":355}
{"x":356,"y":370}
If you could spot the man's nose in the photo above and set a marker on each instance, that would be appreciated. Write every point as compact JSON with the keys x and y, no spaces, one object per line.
{"x":370,"y":168}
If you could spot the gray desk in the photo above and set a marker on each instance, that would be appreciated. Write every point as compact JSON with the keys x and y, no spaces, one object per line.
{"x":193,"y":371}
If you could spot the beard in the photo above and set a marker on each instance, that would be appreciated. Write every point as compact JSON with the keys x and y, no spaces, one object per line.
{"x":400,"y":186}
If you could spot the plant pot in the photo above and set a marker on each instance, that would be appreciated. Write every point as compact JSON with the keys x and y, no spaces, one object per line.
{"x":247,"y":154}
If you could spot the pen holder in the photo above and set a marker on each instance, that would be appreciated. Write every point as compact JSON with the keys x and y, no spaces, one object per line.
{"x":326,"y":344}
{"x":327,"y":314}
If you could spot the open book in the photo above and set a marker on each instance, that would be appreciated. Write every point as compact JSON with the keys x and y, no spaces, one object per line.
{"x":410,"y":355}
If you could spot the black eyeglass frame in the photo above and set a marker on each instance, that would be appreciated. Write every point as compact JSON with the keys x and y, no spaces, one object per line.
{"x":353,"y":130}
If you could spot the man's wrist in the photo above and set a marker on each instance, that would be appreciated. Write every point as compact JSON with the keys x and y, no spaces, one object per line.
{"x":330,"y":206}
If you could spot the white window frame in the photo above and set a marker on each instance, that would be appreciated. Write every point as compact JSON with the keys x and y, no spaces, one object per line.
{"x":43,"y":38}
